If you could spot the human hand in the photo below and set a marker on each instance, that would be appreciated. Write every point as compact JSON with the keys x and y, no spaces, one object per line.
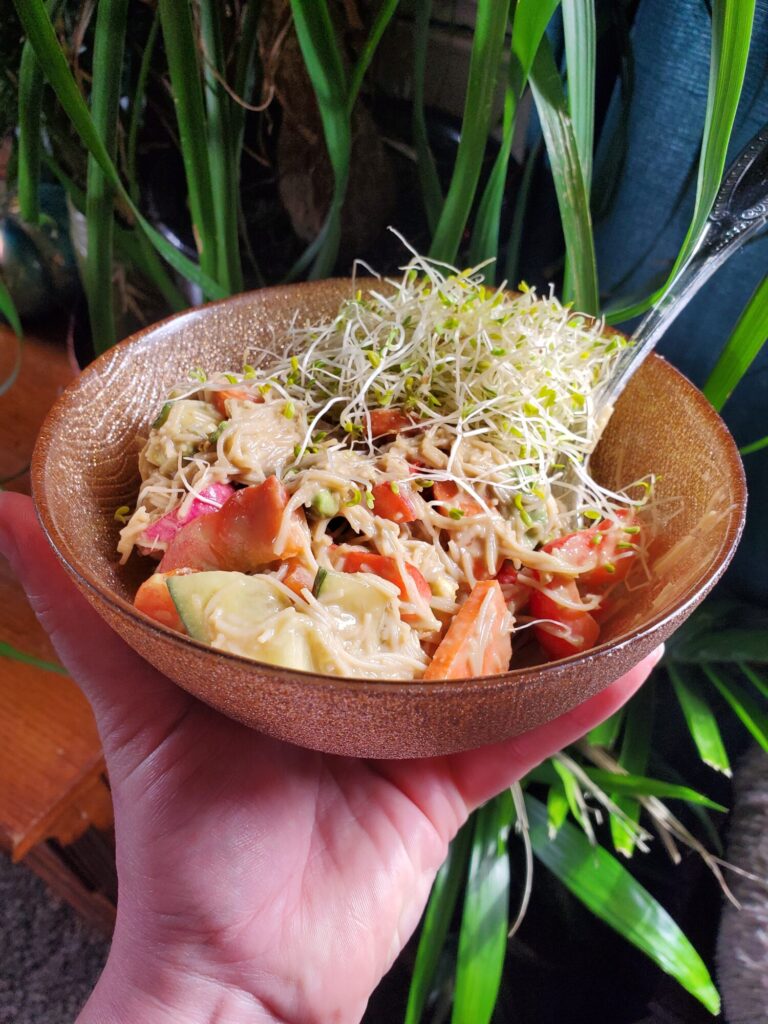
{"x":258,"y":881}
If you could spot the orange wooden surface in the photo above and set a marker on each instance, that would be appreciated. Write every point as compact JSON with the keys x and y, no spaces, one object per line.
{"x":50,"y":758}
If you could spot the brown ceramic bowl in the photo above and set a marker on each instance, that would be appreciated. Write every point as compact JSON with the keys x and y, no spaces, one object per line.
{"x":85,"y":466}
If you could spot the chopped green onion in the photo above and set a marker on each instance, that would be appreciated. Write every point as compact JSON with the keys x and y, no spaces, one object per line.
{"x":162,"y":416}
{"x":317,"y":586}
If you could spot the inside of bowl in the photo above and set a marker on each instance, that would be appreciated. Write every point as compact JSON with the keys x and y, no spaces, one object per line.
{"x":87,"y":466}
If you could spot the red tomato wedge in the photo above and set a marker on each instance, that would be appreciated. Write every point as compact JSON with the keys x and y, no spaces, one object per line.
{"x":482,"y":619}
{"x":241,"y":536}
{"x":382,"y":565}
{"x":219,"y":398}
{"x":583,"y":629}
{"x":390,"y":421}
{"x":399,"y":507}
{"x":154,"y":599}
{"x":298,"y":577}
{"x":449,"y":493}
{"x":601,"y":554}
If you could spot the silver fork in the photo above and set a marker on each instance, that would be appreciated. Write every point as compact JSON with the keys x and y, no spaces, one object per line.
{"x":739,"y":214}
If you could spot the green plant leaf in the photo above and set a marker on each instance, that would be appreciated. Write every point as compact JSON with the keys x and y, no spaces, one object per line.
{"x":7,"y":651}
{"x":485,"y":918}
{"x":431,"y":192}
{"x":31,"y":83}
{"x":322,"y":58}
{"x":108,"y":46}
{"x":567,"y":175}
{"x":379,"y":27}
{"x":607,"y":733}
{"x":748,"y":337}
{"x":642,"y":785}
{"x":732,"y":22}
{"x":727,"y":645}
{"x":181,"y":51}
{"x":557,"y":807}
{"x":755,"y":446}
{"x":757,"y":681}
{"x":137,"y":109}
{"x":40,"y":33}
{"x":701,"y":722}
{"x":8,"y":310}
{"x":633,"y":757}
{"x":437,"y":921}
{"x":606,"y":888}
{"x":743,"y":704}
{"x":529,"y":22}
{"x":512,"y":264}
{"x":580,"y":34}
{"x":487,"y":46}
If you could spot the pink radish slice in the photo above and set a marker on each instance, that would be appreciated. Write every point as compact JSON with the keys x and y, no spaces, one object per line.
{"x":166,"y":527}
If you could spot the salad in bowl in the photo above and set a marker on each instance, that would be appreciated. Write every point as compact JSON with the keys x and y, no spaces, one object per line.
{"x":403,"y":494}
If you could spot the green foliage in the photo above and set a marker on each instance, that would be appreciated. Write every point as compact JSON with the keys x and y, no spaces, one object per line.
{"x":599,"y":881}
{"x":742,"y":348}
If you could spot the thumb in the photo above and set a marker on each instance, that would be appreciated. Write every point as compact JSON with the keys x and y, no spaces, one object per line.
{"x":124,"y":691}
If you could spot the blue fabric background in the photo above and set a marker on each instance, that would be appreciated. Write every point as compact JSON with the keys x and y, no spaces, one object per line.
{"x":643,"y":231}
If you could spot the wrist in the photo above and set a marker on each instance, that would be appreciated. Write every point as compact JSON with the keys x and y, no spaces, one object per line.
{"x":131,"y":990}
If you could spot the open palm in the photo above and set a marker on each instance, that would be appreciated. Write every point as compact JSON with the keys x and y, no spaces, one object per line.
{"x":258,"y":880}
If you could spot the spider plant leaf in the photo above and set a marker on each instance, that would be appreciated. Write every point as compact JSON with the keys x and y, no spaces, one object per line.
{"x":30,"y":113}
{"x":727,"y":645}
{"x":567,"y":175}
{"x":642,"y":785}
{"x":557,"y":807}
{"x":732,"y":22}
{"x":701,"y":722}
{"x":607,"y":733}
{"x":529,"y":22}
{"x":223,"y":159}
{"x":485,"y":917}
{"x":108,"y":46}
{"x":431,"y":192}
{"x":757,"y":681}
{"x":573,"y":796}
{"x":742,"y":703}
{"x":580,"y":59}
{"x":181,"y":51}
{"x":379,"y":27}
{"x":604,"y":886}
{"x":39,"y":30}
{"x":437,"y":921}
{"x":487,"y":46}
{"x":748,"y":337}
{"x":7,"y":651}
{"x":633,"y":757}
{"x":754,"y":446}
{"x":320,"y":49}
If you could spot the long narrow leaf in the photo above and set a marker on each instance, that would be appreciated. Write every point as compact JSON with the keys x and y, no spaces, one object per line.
{"x":732,"y":22}
{"x":379,"y":27}
{"x":642,"y":785}
{"x":137,"y":109}
{"x":108,"y":45}
{"x":607,"y":733}
{"x":567,"y":175}
{"x":322,"y":58}
{"x":580,"y":60}
{"x":603,"y":885}
{"x":757,"y":681}
{"x":8,"y":310}
{"x":40,"y":33}
{"x":743,"y":704}
{"x":31,"y":83}
{"x":431,"y":192}
{"x":748,"y":337}
{"x":184,"y":69}
{"x":529,"y":23}
{"x":755,"y":446}
{"x":514,"y":245}
{"x":7,"y":651}
{"x":485,"y":919}
{"x":633,"y":758}
{"x":701,"y":723}
{"x":557,"y":807}
{"x":490,"y":28}
{"x":437,"y":921}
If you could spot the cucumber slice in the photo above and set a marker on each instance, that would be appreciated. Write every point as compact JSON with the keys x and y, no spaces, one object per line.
{"x":210,"y":603}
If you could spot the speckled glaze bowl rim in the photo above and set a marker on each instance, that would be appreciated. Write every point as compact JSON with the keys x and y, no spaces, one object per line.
{"x":372,"y":687}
